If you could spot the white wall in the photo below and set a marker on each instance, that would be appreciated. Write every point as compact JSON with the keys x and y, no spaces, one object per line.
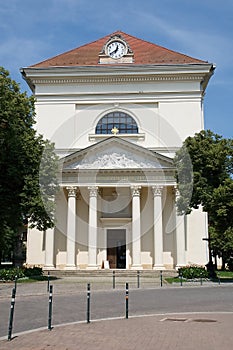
{"x":165,"y":112}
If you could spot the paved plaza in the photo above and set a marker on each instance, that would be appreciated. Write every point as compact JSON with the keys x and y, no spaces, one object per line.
{"x":179,"y":331}
{"x":203,"y":327}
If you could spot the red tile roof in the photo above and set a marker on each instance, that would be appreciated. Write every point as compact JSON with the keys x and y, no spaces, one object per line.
{"x":144,"y":53}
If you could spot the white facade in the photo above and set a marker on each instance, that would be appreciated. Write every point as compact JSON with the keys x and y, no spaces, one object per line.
{"x":118,"y":191}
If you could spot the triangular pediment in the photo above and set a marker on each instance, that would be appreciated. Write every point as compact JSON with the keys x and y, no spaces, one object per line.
{"x":115,"y":153}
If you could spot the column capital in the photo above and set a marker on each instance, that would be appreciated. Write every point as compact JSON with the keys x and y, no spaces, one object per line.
{"x":135,"y":190}
{"x":72,"y":190}
{"x":93,"y":191}
{"x":176,"y":192}
{"x":157,"y":190}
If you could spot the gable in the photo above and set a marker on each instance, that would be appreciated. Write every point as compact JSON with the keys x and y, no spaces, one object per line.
{"x":144,"y":52}
{"x":115,"y":153}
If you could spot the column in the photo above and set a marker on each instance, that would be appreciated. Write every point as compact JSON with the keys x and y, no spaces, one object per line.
{"x":49,"y":249}
{"x":180,"y":236}
{"x":158,"y":228}
{"x":71,"y":228}
{"x":136,"y":228}
{"x":92,"y":234}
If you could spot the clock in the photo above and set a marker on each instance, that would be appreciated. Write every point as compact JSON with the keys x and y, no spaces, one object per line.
{"x":116,"y":49}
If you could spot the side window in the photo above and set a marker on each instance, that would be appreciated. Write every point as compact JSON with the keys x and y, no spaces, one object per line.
{"x":123,"y":122}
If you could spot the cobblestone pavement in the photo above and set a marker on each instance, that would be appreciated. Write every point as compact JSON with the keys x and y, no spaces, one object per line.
{"x":167,"y":332}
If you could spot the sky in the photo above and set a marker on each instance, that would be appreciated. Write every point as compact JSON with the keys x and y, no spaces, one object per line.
{"x":34,"y":30}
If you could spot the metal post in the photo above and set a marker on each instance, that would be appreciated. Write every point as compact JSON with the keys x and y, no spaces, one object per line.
{"x":50,"y":307}
{"x":48,"y":282}
{"x":181,"y":279}
{"x":161,"y":278}
{"x":16,"y":277}
{"x":113,"y":280}
{"x":201,"y":279}
{"x":126,"y":300}
{"x":138,"y":278}
{"x":10,"y":327}
{"x":88,"y":302}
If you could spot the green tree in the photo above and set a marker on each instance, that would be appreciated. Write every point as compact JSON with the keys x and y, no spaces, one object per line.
{"x":25,"y":159}
{"x":204,"y":175}
{"x":221,"y":230}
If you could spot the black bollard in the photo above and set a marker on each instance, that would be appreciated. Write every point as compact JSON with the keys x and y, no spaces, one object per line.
{"x":161,"y":278}
{"x":126,"y":300}
{"x":88,"y":302}
{"x":181,"y":279}
{"x":16,"y":277}
{"x":10,"y":327}
{"x":50,"y":307}
{"x":138,"y":278}
{"x":113,"y":280}
{"x":48,"y":281}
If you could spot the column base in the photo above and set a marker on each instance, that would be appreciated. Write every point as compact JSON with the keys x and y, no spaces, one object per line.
{"x":92,"y":267}
{"x":48,"y":267}
{"x":136,"y":267}
{"x":71,"y":267}
{"x":158,"y":267}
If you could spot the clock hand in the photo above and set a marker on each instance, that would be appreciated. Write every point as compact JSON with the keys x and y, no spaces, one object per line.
{"x":115,"y":51}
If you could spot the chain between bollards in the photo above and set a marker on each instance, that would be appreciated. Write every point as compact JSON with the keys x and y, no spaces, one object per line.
{"x":126,"y":300}
{"x":50,"y":307}
{"x":10,"y":327}
{"x":88,"y":302}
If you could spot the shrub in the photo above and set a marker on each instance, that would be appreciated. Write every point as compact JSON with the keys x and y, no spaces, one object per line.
{"x":193,"y":271}
{"x":10,"y":274}
{"x":33,"y":271}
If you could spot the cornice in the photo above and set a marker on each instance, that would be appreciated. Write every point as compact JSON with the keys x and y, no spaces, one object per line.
{"x":118,"y":79}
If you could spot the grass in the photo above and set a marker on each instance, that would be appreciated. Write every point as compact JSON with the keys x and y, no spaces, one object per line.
{"x":222,"y":277}
{"x":35,"y":279}
{"x":225,"y":274}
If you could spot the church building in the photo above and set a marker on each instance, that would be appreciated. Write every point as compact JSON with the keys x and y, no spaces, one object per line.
{"x":117,"y":110}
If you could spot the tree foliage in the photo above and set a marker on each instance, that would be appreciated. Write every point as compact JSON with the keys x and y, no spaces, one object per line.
{"x":27,"y":162}
{"x":204,"y":175}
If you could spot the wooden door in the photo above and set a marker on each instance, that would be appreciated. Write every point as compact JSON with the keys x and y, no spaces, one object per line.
{"x":112,"y":257}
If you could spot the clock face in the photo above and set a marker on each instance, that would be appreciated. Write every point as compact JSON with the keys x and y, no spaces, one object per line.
{"x":116,"y":49}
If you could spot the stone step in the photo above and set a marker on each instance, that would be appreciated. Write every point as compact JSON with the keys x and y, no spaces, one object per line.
{"x":109,"y":273}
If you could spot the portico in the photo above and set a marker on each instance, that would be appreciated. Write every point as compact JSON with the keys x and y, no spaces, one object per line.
{"x":133,"y":200}
{"x":128,"y":227}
